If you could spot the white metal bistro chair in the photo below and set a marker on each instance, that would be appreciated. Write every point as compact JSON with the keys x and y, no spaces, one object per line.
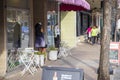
{"x":64,"y":50}
{"x":11,"y":60}
{"x":27,"y":58}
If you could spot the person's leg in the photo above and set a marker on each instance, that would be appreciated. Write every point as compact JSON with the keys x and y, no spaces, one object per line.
{"x":118,"y":37}
{"x":90,"y":39}
{"x":44,"y":52}
{"x":94,"y":37}
{"x":55,"y":39}
{"x":97,"y":38}
{"x":58,"y":41}
{"x":87,"y":37}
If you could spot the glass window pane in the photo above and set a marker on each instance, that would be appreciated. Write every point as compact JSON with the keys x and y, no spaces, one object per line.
{"x":17,"y":33}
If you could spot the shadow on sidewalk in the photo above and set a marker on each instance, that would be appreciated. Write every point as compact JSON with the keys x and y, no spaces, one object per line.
{"x":87,"y":76}
{"x":93,"y":68}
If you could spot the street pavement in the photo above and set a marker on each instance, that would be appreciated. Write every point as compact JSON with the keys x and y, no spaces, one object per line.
{"x":116,"y":74}
{"x":84,"y":56}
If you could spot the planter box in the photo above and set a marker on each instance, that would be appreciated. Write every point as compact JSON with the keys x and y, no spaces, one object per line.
{"x":39,"y":60}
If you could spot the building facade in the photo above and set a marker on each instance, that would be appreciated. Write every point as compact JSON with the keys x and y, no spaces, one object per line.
{"x":18,"y":18}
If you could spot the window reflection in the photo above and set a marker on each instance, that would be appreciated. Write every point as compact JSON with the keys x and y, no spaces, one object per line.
{"x":17,"y":33}
{"x":52,"y":19}
{"x":17,"y":27}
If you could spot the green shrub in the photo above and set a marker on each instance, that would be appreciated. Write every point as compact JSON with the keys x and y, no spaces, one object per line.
{"x":40,"y":53}
{"x":52,"y":48}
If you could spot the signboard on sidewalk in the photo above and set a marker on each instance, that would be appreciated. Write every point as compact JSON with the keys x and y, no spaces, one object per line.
{"x":114,"y":54}
{"x":62,"y":73}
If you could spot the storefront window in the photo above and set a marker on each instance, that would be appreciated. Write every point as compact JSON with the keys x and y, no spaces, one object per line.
{"x":17,"y":34}
{"x":78,"y":23}
{"x":84,"y":23}
{"x":52,"y":19}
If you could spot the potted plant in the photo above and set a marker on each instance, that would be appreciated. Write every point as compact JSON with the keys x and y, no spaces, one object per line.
{"x":53,"y":53}
{"x":40,"y":53}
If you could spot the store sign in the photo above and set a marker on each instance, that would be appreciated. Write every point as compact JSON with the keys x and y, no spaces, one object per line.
{"x":114,"y":46}
{"x":114,"y":54}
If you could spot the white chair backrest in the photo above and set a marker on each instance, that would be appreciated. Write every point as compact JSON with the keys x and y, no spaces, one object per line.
{"x":27,"y":54}
{"x":30,"y":49}
{"x":19,"y":51}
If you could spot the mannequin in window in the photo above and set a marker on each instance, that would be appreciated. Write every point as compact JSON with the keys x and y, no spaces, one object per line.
{"x":17,"y":35}
{"x":57,"y":36}
{"x":39,"y":38}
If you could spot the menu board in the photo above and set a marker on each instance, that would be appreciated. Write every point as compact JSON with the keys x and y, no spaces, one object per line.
{"x":114,"y":54}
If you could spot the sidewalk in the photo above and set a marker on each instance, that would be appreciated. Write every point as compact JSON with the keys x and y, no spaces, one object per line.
{"x":117,"y":73}
{"x":84,"y":56}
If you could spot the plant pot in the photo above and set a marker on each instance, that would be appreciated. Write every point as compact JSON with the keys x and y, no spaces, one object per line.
{"x":53,"y":55}
{"x":42,"y":60}
{"x":37,"y":59}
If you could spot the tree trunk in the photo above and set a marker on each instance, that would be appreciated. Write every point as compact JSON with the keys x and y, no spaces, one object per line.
{"x":105,"y":42}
